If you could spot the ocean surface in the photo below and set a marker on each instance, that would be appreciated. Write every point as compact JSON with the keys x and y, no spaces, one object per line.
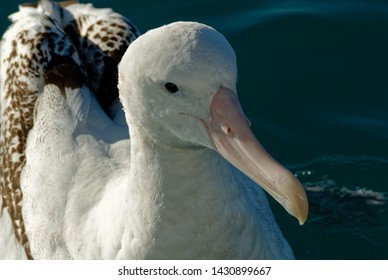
{"x":313,"y":79}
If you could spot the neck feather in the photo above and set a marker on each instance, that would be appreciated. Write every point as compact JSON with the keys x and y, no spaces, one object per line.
{"x":190,"y":197}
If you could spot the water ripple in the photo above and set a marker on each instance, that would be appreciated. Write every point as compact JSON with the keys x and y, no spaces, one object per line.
{"x":251,"y":17}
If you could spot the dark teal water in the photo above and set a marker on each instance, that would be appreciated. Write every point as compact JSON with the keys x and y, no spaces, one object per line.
{"x":313,"y":79}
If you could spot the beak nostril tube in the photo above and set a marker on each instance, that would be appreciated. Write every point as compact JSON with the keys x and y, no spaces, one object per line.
{"x":227,"y":130}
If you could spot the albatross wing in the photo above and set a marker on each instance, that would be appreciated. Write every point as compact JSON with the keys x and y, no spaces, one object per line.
{"x":41,"y":38}
{"x":29,"y":47}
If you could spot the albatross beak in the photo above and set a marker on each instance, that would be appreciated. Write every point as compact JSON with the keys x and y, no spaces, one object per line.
{"x":234,"y":140}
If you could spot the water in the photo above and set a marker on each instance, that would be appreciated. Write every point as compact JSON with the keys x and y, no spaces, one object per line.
{"x":313,"y":79}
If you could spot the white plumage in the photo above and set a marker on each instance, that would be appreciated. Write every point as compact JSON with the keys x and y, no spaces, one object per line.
{"x":90,"y":192}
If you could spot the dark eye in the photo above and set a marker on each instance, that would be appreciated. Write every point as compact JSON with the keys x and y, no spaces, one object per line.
{"x":171,"y":88}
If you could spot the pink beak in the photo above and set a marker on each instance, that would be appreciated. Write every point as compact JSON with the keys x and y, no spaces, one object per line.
{"x":234,"y":140}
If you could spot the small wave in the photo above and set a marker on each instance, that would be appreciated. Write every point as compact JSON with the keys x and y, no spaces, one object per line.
{"x":359,"y":210}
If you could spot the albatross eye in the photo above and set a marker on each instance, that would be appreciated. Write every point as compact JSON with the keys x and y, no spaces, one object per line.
{"x":171,"y":88}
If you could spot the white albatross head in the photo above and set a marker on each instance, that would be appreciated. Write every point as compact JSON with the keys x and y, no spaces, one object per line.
{"x":177,"y":84}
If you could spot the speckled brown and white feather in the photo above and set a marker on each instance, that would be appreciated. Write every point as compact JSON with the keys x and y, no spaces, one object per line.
{"x":30,"y":46}
{"x":40,"y":38}
{"x":101,"y":37}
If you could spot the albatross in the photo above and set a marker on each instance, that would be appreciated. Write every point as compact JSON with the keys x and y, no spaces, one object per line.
{"x":116,"y":145}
